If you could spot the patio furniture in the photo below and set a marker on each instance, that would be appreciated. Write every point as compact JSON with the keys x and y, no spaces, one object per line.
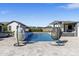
{"x":56,"y":33}
{"x":20,"y":36}
{"x":3,"y":35}
{"x":58,"y":43}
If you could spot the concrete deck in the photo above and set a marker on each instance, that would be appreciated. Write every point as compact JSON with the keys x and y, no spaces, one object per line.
{"x":71,"y":48}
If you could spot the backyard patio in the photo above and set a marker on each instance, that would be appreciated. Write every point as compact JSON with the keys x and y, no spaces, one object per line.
{"x":39,"y":48}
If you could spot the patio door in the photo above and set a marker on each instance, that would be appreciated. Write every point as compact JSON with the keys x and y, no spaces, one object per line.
{"x":70,"y":28}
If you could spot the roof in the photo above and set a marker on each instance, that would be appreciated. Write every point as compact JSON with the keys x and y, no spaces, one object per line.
{"x":55,"y":22}
{"x":18,"y":23}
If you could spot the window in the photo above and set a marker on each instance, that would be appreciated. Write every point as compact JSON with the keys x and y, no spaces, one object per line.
{"x":17,"y":27}
{"x":9,"y":27}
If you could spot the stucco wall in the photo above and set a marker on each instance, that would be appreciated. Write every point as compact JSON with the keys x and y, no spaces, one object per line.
{"x":13,"y":27}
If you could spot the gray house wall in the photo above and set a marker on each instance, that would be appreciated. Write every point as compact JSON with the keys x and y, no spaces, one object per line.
{"x":64,"y":25}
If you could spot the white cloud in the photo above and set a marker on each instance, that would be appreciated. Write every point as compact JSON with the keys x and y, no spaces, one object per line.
{"x":71,"y":6}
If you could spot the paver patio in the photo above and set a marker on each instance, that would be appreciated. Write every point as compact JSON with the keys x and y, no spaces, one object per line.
{"x":71,"y":48}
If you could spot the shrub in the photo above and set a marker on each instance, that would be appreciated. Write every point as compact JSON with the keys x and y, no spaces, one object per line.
{"x":35,"y":30}
{"x":4,"y":28}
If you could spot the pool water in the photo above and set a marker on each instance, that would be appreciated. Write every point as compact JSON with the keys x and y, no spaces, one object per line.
{"x":40,"y":37}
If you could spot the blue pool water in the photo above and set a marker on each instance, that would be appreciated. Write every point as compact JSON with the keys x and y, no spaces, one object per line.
{"x":39,"y":37}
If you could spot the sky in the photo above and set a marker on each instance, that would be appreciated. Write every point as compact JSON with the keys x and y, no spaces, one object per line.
{"x":39,"y":14}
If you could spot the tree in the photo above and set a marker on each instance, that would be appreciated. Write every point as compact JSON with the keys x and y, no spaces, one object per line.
{"x":5,"y":28}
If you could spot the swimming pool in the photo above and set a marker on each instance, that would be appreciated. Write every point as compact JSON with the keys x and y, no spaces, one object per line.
{"x":39,"y":37}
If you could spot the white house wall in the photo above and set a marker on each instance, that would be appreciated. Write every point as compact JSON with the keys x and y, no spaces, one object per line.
{"x":13,"y":27}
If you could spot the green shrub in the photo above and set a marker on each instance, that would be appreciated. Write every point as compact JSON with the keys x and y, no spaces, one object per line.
{"x":4,"y":28}
{"x":35,"y":30}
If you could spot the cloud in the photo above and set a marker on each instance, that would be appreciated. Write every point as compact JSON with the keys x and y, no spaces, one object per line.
{"x":71,"y":6}
{"x":3,"y":12}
